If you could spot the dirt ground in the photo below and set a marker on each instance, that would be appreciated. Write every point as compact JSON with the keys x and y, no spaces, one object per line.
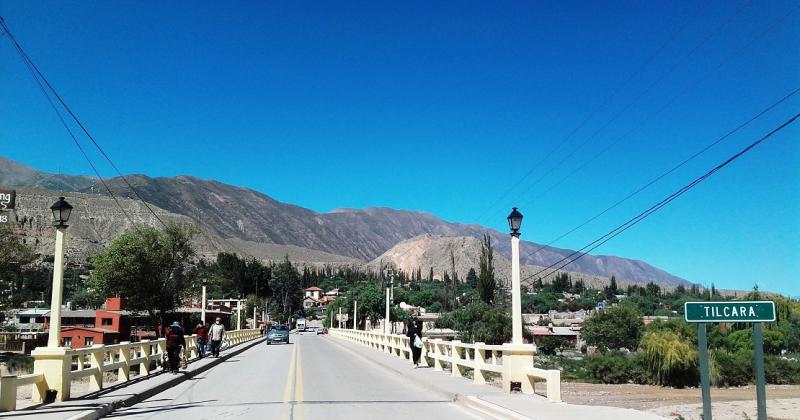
{"x":783,"y":401}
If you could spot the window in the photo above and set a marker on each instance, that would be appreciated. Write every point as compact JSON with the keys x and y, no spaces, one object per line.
{"x":88,"y":341}
{"x":107,"y":321}
{"x":67,"y":341}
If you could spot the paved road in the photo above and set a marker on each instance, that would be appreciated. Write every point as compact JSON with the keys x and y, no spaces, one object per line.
{"x":312,"y":378}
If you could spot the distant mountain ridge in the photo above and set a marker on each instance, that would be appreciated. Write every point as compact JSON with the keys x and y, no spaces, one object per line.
{"x":248,"y":215}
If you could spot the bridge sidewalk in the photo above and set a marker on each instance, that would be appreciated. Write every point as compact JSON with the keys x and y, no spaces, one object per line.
{"x":98,"y":404}
{"x":486,"y":399}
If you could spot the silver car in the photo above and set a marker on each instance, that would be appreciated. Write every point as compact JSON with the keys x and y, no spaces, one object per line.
{"x":278,"y":334}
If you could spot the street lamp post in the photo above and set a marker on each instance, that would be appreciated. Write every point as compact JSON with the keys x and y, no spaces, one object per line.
{"x":514,"y":222}
{"x":61,"y":212}
{"x":239,"y":314}
{"x":355,"y":314}
{"x":389,"y":284}
{"x":203,"y":302}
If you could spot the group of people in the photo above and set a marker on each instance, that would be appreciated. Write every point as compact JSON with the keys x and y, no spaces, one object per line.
{"x":176,"y":342}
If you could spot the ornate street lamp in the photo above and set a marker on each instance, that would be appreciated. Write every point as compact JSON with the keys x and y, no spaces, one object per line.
{"x":61,"y":212}
{"x":514,"y":223}
{"x":203,"y":301}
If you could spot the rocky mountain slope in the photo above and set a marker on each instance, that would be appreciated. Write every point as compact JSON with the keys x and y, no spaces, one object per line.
{"x":433,"y":251}
{"x":248,"y":215}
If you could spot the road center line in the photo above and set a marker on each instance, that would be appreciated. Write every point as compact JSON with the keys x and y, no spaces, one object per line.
{"x":287,"y":391}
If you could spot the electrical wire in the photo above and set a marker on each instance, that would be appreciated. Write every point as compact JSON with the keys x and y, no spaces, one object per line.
{"x":671,"y":170}
{"x":646,"y":213}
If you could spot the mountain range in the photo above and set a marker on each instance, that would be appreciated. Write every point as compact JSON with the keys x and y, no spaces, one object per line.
{"x":233,"y":217}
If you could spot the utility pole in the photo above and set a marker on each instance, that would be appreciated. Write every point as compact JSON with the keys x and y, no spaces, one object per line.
{"x":355,"y":314}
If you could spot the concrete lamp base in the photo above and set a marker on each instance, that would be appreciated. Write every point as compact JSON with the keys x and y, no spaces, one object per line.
{"x":517,"y":359}
{"x":55,"y":365}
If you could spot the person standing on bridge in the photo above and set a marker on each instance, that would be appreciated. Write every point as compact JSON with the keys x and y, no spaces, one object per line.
{"x":202,"y":339}
{"x":414,"y":335}
{"x":216,"y":334}
{"x":175,"y":341}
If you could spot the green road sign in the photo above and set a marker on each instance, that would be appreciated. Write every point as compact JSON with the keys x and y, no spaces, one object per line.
{"x":739,"y":311}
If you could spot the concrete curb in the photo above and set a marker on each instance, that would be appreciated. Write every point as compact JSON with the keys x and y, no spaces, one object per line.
{"x":468,"y":402}
{"x":108,"y":408}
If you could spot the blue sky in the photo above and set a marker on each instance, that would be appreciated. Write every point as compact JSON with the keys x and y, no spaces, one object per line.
{"x":443,"y":108}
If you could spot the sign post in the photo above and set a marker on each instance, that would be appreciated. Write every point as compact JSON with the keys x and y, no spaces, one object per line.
{"x":756,"y":312}
{"x":7,"y":203}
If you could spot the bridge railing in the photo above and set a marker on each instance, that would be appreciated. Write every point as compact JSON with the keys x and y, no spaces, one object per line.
{"x":513,"y":363}
{"x":58,"y":368}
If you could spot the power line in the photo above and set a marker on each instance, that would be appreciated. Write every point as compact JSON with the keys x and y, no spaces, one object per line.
{"x":671,"y":170}
{"x":37,"y":75}
{"x":28,"y":65}
{"x":592,"y":113}
{"x":641,"y":95}
{"x":75,"y":118}
{"x":664,"y":107}
{"x":641,"y":216}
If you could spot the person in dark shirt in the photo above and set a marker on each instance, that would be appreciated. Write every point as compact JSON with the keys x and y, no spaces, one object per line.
{"x":202,"y":339}
{"x":175,"y":341}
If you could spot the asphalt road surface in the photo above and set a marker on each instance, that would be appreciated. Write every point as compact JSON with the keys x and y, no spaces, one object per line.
{"x":311,"y":378}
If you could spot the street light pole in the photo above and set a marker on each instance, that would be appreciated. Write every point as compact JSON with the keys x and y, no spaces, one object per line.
{"x":61,"y":212}
{"x":389,"y":283}
{"x":239,"y":314}
{"x":514,"y":222}
{"x":203,"y":303}
{"x":355,"y":314}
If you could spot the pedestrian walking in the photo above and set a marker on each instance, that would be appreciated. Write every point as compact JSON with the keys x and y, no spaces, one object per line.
{"x":414,"y":335}
{"x":202,"y":338}
{"x":216,"y":333}
{"x":175,"y":342}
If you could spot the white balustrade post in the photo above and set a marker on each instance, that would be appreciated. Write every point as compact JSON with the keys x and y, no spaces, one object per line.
{"x":455,"y":358}
{"x":478,"y":376}
{"x":97,"y":358}
{"x":124,"y":372}
{"x":145,"y":349}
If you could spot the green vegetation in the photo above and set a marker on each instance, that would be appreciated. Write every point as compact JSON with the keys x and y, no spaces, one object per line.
{"x":615,"y":328}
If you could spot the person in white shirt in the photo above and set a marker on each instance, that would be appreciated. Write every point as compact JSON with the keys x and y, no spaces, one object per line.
{"x":216,"y":333}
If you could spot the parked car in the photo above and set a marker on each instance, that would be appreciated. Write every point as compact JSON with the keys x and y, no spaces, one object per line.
{"x":278,"y":334}
{"x":320,"y":331}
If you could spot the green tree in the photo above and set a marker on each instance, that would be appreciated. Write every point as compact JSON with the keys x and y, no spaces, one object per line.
{"x":670,"y":357}
{"x":550,"y":344}
{"x":286,"y":288}
{"x":13,"y":257}
{"x":472,"y":278}
{"x":479,"y":322}
{"x":486,"y":280}
{"x":615,"y":328}
{"x":147,"y":267}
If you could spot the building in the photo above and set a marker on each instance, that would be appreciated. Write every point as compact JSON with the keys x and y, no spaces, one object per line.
{"x":314,"y":292}
{"x":30,"y":320}
{"x":221,"y":304}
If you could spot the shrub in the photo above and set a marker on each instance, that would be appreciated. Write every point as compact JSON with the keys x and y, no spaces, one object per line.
{"x":781,"y":371}
{"x":611,"y":368}
{"x":731,"y":369}
{"x":550,"y":344}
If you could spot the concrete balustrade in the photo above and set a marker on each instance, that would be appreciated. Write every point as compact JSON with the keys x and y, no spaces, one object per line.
{"x":57,"y":368}
{"x":513,"y":362}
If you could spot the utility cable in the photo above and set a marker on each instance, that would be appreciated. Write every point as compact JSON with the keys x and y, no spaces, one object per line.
{"x":643,"y":215}
{"x":593,"y":112}
{"x":671,"y":170}
{"x":75,"y":118}
{"x":66,"y":127}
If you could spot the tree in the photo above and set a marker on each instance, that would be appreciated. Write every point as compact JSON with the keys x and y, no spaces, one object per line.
{"x":486,"y":281}
{"x":615,"y":328}
{"x":550,"y":344}
{"x":13,"y":257}
{"x":670,"y":357}
{"x":472,"y":278}
{"x":478,"y":322}
{"x":286,"y":288}
{"x":147,"y":267}
{"x":612,"y":290}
